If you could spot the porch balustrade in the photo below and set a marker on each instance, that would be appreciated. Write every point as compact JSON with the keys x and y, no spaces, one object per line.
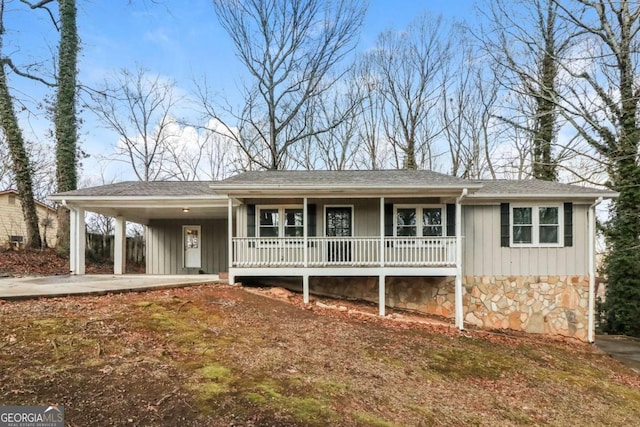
{"x":343,"y":251}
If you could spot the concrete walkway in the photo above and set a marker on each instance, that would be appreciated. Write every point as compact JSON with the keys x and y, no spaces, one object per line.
{"x":625,"y":349}
{"x":54,"y":286}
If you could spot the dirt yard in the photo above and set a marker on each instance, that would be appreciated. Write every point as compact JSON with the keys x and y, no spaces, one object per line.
{"x":48,"y":262}
{"x":217,"y":355}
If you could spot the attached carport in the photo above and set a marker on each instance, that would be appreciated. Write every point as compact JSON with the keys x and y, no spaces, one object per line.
{"x":139,"y":202}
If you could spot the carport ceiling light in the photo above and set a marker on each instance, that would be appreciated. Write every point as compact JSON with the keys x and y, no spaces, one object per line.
{"x":185,"y":210}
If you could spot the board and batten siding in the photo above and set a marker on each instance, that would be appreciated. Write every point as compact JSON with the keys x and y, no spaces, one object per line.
{"x":165,"y":251}
{"x":483,"y":255}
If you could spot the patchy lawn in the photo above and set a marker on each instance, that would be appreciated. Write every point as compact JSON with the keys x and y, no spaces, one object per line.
{"x":218,"y":355}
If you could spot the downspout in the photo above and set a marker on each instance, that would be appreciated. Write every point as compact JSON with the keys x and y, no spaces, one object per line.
{"x":592,"y":270}
{"x":458,"y":281}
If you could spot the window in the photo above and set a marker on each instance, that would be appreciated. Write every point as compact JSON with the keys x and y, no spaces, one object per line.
{"x":535,"y":225}
{"x":12,"y":199}
{"x":269,"y":223}
{"x":293,"y":223}
{"x":406,"y":222}
{"x":431,"y":221}
{"x":16,"y":241}
{"x":280,"y":222}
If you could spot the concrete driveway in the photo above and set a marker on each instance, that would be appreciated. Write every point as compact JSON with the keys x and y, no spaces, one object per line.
{"x":625,"y":349}
{"x":53,"y":286}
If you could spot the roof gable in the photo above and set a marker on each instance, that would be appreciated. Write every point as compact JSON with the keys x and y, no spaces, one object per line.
{"x":15,"y":193}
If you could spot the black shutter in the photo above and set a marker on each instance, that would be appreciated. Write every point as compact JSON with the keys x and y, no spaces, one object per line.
{"x":311,"y":220}
{"x":251,"y":220}
{"x":568,"y":224}
{"x":388,"y":219}
{"x":504,"y":225}
{"x":451,"y":219}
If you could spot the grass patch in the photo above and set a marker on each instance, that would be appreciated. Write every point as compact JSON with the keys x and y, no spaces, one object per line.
{"x":461,"y":363}
{"x":215,"y":372}
{"x":373,"y":420}
{"x":311,"y":411}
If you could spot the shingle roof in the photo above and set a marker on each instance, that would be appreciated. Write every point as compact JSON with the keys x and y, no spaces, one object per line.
{"x":389,"y":179}
{"x":348,"y":179}
{"x":145,"y":189}
{"x":532,"y":187}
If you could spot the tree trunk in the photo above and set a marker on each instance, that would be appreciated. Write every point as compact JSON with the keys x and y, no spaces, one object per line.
{"x":544,"y":167}
{"x":65,"y":114}
{"x":20,"y":162}
{"x":19,"y":158}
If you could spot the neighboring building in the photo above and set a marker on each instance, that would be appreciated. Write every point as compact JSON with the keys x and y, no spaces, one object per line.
{"x":12,"y":225}
{"x":497,"y":254}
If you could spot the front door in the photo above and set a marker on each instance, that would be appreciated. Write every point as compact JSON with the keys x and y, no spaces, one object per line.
{"x":339,"y":224}
{"x":191,"y":239}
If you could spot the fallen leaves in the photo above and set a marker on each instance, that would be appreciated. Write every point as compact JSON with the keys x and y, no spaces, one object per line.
{"x":219,"y":355}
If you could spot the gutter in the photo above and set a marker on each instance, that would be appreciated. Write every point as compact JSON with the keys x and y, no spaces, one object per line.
{"x":458,"y":281}
{"x":592,"y":270}
{"x":495,"y":196}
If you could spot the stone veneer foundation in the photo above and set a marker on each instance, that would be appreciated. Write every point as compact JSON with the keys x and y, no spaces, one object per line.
{"x":554,"y":305}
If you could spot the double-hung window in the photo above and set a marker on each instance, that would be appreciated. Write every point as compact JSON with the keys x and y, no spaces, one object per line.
{"x":280,"y":221}
{"x":536,"y":225}
{"x":419,"y":221}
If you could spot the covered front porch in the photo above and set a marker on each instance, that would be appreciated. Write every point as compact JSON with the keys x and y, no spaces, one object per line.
{"x":347,"y":236}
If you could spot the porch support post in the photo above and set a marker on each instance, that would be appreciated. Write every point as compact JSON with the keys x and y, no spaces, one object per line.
{"x":77,"y":241}
{"x":119,"y":246}
{"x":305,"y":251}
{"x":305,"y":233}
{"x":305,"y":289}
{"x":381,"y":295}
{"x":591,"y":239}
{"x":381,"y":231}
{"x":458,"y":281}
{"x":230,"y":238}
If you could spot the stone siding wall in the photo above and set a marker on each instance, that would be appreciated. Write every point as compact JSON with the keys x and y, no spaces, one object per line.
{"x":554,"y":305}
{"x":430,"y":295}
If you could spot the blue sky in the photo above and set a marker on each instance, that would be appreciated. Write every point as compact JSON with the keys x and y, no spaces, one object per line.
{"x":181,"y":40}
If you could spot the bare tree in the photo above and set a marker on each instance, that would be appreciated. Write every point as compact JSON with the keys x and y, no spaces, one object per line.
{"x":289,"y":48}
{"x":603,"y":105}
{"x":138,"y":107}
{"x":527,"y":41}
{"x":469,"y":106}
{"x":198,"y":152}
{"x":374,"y":150}
{"x":21,"y":167}
{"x":336,"y":110}
{"x":409,"y":67}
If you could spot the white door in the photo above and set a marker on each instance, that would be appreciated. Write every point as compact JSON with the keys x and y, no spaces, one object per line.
{"x":191,"y":239}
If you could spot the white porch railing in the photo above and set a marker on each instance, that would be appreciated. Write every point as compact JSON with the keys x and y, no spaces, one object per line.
{"x":427,"y":251}
{"x":343,"y":251}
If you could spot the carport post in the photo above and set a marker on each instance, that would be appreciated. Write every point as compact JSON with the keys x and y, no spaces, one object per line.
{"x":230,"y":239}
{"x":77,"y":241}
{"x":120,"y":246}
